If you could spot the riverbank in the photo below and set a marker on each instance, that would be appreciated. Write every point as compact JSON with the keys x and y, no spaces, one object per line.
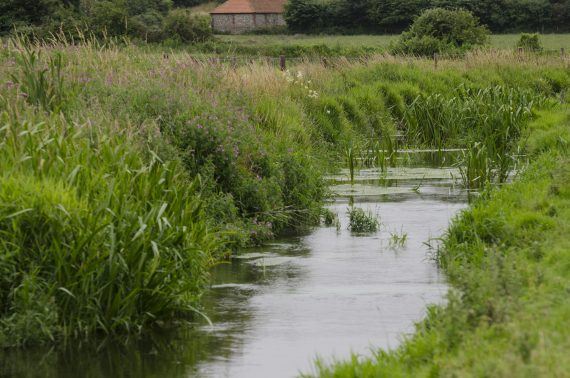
{"x":507,"y":259}
{"x":131,"y":163}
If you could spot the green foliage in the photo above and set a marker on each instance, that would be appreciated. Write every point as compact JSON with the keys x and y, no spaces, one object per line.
{"x":394,"y":16}
{"x":187,"y":27}
{"x":109,"y":17}
{"x":94,"y":237}
{"x":147,"y":26}
{"x":148,"y":20}
{"x":440,"y":30}
{"x":306,"y":15}
{"x":530,"y":42}
{"x":361,"y":221}
{"x":109,"y":254}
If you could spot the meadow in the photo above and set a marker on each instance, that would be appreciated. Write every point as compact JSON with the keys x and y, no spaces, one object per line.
{"x":353,"y":45}
{"x":128,"y":171}
{"x":501,"y":41}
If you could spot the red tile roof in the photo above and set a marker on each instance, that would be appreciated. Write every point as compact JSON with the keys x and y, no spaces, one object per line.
{"x":251,"y":6}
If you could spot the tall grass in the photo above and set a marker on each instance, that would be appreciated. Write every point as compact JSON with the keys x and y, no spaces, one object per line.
{"x":97,"y":234}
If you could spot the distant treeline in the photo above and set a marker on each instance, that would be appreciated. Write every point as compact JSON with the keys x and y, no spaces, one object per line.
{"x":152,"y":20}
{"x":393,"y":16}
{"x":139,"y":18}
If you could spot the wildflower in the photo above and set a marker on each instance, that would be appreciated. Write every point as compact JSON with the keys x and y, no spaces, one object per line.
{"x":299,"y":75}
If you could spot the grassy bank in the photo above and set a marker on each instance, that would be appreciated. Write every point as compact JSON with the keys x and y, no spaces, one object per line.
{"x":507,"y":260}
{"x":128,"y":172}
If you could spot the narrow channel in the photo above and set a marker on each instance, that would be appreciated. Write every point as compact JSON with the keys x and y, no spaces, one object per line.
{"x":276,"y":308}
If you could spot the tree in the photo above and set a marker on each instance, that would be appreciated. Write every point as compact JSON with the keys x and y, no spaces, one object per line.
{"x":307,"y":15}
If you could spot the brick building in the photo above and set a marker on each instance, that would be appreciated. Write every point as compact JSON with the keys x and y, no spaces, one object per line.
{"x":237,"y":16}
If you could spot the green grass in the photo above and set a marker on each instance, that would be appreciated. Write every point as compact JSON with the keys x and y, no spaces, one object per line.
{"x":507,"y":260}
{"x":373,"y":43}
{"x":551,"y":42}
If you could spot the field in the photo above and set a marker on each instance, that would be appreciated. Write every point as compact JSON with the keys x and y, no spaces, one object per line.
{"x":127,"y":172}
{"x":376,"y":42}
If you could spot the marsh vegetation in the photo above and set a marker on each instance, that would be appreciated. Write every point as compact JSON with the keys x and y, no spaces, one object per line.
{"x":127,"y":173}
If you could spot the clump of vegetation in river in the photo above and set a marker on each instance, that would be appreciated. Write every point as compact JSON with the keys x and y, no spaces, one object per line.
{"x":330,"y":218}
{"x":360,"y":221}
{"x":398,"y":239}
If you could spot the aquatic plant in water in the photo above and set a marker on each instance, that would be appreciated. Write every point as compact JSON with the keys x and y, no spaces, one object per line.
{"x":361,"y":221}
{"x":398,"y":239}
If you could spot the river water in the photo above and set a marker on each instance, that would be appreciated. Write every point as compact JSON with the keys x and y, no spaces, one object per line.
{"x":275,"y":309}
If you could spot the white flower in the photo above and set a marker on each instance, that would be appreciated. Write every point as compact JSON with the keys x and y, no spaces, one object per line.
{"x":299,"y":75}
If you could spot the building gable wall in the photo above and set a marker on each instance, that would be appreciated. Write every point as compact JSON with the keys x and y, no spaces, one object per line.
{"x":240,"y":22}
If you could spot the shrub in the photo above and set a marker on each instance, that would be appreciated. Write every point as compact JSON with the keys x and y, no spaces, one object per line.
{"x":441,"y":30}
{"x":530,"y":42}
{"x":188,"y":27}
{"x":147,"y":26}
{"x":108,"y":17}
{"x":362,"y":222}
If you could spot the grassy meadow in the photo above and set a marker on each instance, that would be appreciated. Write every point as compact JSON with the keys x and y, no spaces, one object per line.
{"x":349,"y":45}
{"x":128,"y":171}
{"x":499,"y":41}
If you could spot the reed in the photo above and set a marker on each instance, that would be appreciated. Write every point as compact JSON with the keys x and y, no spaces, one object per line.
{"x":351,"y":161}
